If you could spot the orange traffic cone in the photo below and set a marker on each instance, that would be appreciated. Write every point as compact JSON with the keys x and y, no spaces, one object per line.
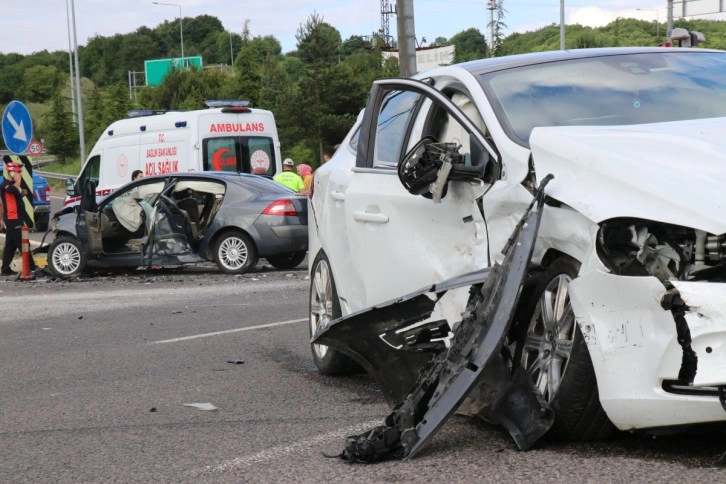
{"x":25,"y":274}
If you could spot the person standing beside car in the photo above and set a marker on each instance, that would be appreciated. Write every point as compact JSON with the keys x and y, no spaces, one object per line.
{"x":12,"y":195}
{"x":288,"y":177}
{"x":306,"y":173}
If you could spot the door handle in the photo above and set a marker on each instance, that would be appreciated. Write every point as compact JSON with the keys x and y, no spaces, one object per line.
{"x":337,"y":196}
{"x":370,"y":217}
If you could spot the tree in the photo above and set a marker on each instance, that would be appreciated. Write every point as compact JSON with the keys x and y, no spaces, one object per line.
{"x":317,"y":41}
{"x":498,"y":25}
{"x":61,"y":138}
{"x":40,"y":82}
{"x":470,"y":44}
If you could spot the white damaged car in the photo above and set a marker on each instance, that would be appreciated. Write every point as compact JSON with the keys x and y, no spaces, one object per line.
{"x":445,"y":265}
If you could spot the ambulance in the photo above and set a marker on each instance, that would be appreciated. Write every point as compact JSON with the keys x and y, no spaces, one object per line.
{"x":229,"y":136}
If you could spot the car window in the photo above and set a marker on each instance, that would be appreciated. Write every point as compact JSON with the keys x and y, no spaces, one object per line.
{"x":393,"y":121}
{"x":609,"y":90}
{"x":239,"y":154}
{"x":90,"y":172}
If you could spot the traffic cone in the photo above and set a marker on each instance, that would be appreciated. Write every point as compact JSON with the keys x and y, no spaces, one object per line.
{"x":25,"y":274}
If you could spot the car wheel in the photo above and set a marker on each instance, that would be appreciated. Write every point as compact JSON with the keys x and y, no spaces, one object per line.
{"x":41,"y":224}
{"x":325,"y":307}
{"x":66,"y":258}
{"x":235,"y":253}
{"x":553,"y":352}
{"x":287,"y":261}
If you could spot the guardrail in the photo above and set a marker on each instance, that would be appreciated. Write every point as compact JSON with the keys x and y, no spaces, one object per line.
{"x":55,"y":176}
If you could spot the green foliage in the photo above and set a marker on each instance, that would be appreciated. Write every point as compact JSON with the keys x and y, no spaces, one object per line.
{"x":40,"y":82}
{"x":470,"y":44}
{"x":61,"y":138}
{"x":317,"y":41}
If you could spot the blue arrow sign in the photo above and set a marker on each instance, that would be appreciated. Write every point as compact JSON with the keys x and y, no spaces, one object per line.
{"x":17,"y":127}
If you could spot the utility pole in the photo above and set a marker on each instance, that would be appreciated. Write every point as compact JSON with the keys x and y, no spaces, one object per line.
{"x":70,"y":63}
{"x":81,"y":136}
{"x":670,"y":20}
{"x":406,"y":38}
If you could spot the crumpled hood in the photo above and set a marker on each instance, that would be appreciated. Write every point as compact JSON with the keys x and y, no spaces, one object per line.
{"x":671,"y":172}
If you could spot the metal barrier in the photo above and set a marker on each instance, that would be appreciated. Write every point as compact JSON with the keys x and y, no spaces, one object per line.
{"x":55,"y":176}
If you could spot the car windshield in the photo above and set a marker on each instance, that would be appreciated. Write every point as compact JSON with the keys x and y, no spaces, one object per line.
{"x":609,"y":90}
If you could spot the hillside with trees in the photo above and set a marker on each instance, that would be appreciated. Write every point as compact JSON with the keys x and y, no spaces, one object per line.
{"x":315,"y":91}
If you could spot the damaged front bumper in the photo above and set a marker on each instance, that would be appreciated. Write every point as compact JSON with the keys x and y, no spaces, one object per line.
{"x":427,"y":369}
{"x":659,"y":353}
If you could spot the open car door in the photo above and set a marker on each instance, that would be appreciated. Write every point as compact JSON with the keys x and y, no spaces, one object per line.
{"x":88,"y":223}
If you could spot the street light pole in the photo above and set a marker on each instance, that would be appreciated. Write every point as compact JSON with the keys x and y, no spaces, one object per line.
{"x":81,"y":136}
{"x":562,"y":24}
{"x":181,"y":24}
{"x":657,"y":19}
{"x":231,"y":53}
{"x":70,"y":62}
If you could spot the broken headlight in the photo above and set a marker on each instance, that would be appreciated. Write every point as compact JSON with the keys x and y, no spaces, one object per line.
{"x":635,"y":247}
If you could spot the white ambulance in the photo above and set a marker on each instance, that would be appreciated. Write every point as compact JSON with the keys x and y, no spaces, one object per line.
{"x":229,"y":136}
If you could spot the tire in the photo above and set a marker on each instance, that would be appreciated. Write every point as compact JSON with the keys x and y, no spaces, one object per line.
{"x":287,"y":261}
{"x":66,"y":258}
{"x":325,"y":307}
{"x":234,"y":253}
{"x":554,"y":354}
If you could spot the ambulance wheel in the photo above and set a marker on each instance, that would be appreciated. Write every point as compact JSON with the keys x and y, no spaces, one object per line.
{"x":325,"y":307}
{"x":66,"y":258}
{"x":235,"y":253}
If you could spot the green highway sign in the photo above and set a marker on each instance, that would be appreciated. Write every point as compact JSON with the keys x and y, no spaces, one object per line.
{"x":157,"y":69}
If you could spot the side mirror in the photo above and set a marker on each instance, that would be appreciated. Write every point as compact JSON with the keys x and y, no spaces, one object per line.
{"x":70,"y":187}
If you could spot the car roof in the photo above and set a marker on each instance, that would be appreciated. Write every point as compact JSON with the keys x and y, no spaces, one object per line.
{"x":484,"y":66}
{"x":256,"y":182}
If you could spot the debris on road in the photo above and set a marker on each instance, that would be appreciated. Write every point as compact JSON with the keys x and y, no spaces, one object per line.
{"x":202,"y":406}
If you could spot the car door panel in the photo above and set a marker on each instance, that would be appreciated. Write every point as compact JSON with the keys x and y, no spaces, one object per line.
{"x":401,"y":229}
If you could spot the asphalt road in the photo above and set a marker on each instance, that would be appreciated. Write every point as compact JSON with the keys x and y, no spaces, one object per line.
{"x":96,"y":374}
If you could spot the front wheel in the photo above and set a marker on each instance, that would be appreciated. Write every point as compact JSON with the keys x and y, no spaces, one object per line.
{"x":325,"y":307}
{"x":553,"y":352}
{"x":66,"y":258}
{"x":287,"y":261}
{"x":235,"y":253}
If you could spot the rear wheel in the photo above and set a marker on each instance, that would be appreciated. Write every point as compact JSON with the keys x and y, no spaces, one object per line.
{"x":235,"y":253}
{"x":325,"y":307}
{"x":553,"y":352}
{"x":66,"y":258}
{"x":287,"y":261}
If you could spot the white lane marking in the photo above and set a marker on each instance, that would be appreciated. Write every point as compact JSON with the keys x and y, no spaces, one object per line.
{"x":285,"y":450}
{"x":57,"y":197}
{"x":216,"y":333}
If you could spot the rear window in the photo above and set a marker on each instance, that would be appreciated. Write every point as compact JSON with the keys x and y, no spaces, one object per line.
{"x":264,"y":185}
{"x":239,"y":154}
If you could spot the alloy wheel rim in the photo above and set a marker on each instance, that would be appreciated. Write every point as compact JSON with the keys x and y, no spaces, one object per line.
{"x":321,"y":303}
{"x":66,"y":258}
{"x":549,"y":338}
{"x":233,"y":253}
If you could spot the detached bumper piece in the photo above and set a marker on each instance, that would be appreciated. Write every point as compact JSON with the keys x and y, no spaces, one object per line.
{"x":395,"y":341}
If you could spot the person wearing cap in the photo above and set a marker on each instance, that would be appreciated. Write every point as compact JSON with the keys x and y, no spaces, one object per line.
{"x":13,"y":208}
{"x":288,"y":177}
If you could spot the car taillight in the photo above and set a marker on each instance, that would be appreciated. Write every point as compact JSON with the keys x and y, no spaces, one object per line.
{"x":47,"y":193}
{"x":281,"y":207}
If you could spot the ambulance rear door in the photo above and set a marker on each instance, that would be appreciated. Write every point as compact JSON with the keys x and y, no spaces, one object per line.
{"x":239,"y":141}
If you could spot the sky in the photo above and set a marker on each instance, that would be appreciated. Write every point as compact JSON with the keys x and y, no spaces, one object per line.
{"x":42,"y":24}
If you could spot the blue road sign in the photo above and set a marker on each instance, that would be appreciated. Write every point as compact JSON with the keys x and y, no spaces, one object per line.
{"x":17,"y":127}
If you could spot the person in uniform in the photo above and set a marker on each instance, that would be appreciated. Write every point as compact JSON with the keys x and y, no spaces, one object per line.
{"x":288,"y":177}
{"x":13,"y":207}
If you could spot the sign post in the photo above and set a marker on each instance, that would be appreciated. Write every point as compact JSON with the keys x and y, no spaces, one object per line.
{"x":17,"y":127}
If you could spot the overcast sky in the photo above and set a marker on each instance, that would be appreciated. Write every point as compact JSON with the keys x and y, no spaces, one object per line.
{"x":34,"y":25}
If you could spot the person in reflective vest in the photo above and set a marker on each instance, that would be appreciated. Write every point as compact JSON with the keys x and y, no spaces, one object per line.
{"x":288,"y":177}
{"x":13,"y":210}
